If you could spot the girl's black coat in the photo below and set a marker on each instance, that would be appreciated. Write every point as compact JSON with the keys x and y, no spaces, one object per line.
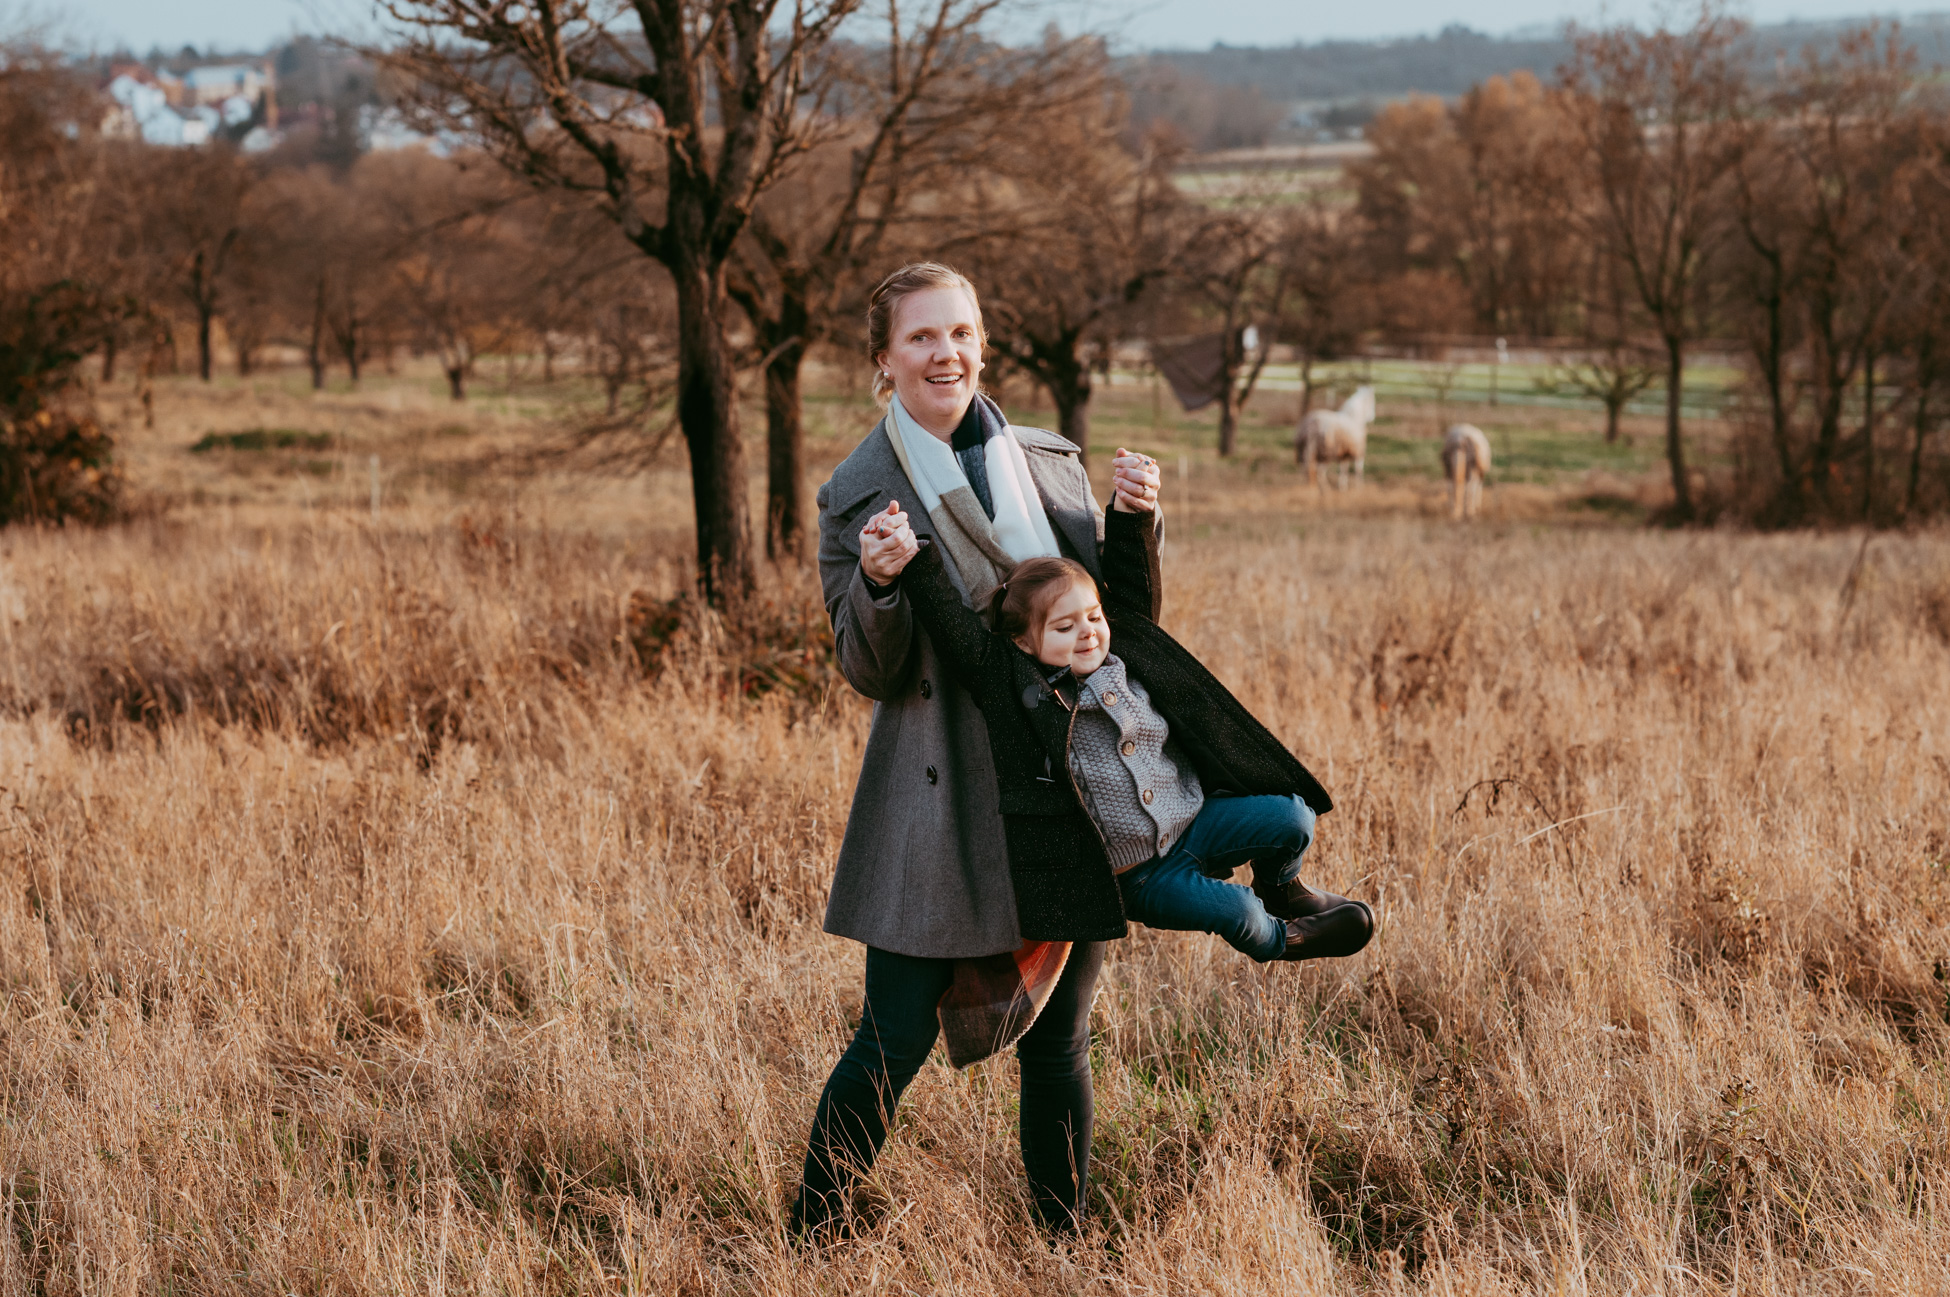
{"x":1065,"y":890}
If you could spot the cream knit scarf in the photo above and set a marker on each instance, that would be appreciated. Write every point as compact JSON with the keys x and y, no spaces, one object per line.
{"x":982,"y":551}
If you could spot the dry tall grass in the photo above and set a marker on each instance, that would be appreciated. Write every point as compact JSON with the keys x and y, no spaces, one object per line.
{"x":377,"y":917}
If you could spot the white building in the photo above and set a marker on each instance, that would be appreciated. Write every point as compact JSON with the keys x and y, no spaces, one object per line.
{"x":214,"y":85}
{"x":172,"y":112}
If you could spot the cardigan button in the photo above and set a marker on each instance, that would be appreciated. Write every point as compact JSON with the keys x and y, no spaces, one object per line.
{"x":1147,"y":794}
{"x":1110,"y":700}
{"x":927,"y":689}
{"x":934,"y":778}
{"x":1128,"y":748}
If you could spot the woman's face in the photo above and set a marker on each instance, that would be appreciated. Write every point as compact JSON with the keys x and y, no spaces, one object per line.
{"x":934,"y":356}
{"x":1074,"y":634}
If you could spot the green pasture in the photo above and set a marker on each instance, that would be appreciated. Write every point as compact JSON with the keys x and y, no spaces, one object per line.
{"x":1706,"y":390}
{"x":1530,"y":445}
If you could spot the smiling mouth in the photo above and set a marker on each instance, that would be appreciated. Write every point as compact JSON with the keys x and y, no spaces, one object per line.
{"x":944,"y":380}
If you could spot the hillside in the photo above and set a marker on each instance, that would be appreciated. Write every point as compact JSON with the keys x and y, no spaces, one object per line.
{"x":1457,"y":57}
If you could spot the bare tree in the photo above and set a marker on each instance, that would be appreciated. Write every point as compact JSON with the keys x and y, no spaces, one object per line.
{"x":1655,"y":116}
{"x":1920,"y":314}
{"x":459,"y":271}
{"x":673,"y":116}
{"x":1325,"y":308}
{"x":919,"y":107}
{"x":1829,"y":225}
{"x":1071,"y":232}
{"x":1235,"y":269}
{"x":194,"y":200}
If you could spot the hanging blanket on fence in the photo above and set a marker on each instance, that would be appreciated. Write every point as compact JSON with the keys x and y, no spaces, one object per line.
{"x":1195,"y":368}
{"x":995,"y":999}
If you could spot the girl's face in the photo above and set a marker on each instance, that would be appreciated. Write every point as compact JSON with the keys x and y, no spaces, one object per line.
{"x":1074,"y":634}
{"x":934,"y":356}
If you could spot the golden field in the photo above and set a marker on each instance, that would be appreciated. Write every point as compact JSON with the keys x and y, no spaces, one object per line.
{"x":429,"y":901}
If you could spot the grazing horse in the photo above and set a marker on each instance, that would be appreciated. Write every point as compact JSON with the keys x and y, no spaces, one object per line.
{"x":1465,"y":459}
{"x":1336,"y":437}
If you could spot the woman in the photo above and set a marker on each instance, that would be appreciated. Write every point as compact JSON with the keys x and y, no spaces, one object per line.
{"x":923,"y":875}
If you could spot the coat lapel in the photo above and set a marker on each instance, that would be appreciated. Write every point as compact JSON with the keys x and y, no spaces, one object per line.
{"x":890,"y":483}
{"x":1060,"y":481}
{"x":1065,"y":489}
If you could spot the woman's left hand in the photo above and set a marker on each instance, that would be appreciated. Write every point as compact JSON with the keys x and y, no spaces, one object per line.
{"x":1135,"y":482}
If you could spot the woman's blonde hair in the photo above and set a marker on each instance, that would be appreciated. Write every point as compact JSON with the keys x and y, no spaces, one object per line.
{"x":915,"y":277}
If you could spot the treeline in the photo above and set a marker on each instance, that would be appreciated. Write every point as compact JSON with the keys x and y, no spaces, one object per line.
{"x":1659,"y":195}
{"x":612,"y":216}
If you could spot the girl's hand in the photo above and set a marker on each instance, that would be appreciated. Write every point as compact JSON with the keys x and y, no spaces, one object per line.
{"x":887,"y":544}
{"x":1136,"y":480}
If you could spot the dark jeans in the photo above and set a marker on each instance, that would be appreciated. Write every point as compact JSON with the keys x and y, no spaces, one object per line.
{"x":897,"y":1029}
{"x":1182,"y":891}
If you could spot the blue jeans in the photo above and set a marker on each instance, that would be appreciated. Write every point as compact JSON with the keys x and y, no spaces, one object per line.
{"x":1182,"y":891}
{"x":898,"y":1025}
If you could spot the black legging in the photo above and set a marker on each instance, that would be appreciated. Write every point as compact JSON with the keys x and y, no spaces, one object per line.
{"x":897,"y":1029}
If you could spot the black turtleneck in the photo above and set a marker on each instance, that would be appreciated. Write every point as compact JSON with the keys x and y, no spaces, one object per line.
{"x":970,"y":446}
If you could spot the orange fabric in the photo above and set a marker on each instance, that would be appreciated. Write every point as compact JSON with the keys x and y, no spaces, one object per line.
{"x":995,"y":999}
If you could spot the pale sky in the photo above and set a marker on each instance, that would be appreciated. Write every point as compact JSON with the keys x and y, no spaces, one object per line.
{"x":1136,"y":24}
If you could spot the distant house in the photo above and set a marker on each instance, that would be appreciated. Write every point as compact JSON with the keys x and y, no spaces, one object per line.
{"x":226,"y":81}
{"x":182,"y":112}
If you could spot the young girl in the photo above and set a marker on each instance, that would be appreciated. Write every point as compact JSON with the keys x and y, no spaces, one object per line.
{"x":1131,"y":784}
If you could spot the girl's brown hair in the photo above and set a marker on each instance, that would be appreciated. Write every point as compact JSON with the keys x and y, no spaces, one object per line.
{"x":915,"y":277}
{"x":1021,"y":604}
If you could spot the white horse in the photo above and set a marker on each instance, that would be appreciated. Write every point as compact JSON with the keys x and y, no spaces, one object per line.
{"x":1465,"y":460}
{"x":1336,"y":437}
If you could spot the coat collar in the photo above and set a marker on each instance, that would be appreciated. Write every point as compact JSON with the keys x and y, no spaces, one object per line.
{"x":872,"y":469}
{"x":1065,"y":489}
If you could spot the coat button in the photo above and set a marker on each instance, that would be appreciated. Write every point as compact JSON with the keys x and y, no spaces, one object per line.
{"x":1128,"y":748}
{"x":1147,"y":792}
{"x":927,"y":690}
{"x":933,"y":778}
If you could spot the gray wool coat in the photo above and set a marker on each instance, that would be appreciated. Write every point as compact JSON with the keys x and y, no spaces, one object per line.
{"x":923,"y":869}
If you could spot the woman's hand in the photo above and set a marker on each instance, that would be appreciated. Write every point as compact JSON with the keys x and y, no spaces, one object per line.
{"x":887,"y":544}
{"x":1135,"y":482}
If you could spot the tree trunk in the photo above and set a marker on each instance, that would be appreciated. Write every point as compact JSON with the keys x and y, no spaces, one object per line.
{"x":1228,"y":423}
{"x":1868,"y":435}
{"x":1828,"y":407}
{"x":1306,"y":382}
{"x":1922,"y":428}
{"x":707,"y":411}
{"x":1070,"y":393}
{"x":316,"y":353}
{"x":349,"y":346}
{"x":785,"y":453}
{"x":1773,"y":359}
{"x":1614,"y":405}
{"x":456,"y":381}
{"x":206,"y":310}
{"x":1682,"y":491}
{"x":204,"y":362}
{"x":1925,"y":376}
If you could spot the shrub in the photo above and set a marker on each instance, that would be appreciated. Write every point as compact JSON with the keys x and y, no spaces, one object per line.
{"x":56,"y":466}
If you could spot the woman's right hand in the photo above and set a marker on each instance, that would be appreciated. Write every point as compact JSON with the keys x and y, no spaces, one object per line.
{"x":887,"y":545}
